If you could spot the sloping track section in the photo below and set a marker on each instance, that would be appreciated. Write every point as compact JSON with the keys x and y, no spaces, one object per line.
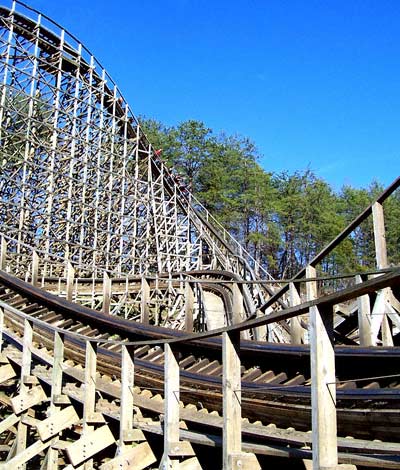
{"x":79,"y":180}
{"x":95,"y":227}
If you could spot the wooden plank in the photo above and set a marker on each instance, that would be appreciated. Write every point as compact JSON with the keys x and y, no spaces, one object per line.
{"x":57,"y":422}
{"x":127,"y":384}
{"x":180,"y":449}
{"x":90,"y":383}
{"x":189,"y":307}
{"x":3,"y":253}
{"x":70,"y":282}
{"x":171,"y":400}
{"x":7,"y":372}
{"x":133,"y":458}
{"x":35,"y":269}
{"x":8,"y":422}
{"x":27,"y":454}
{"x":231,"y":383}
{"x":106,"y":293}
{"x":364,"y":318}
{"x":243,"y":461}
{"x":323,"y":388}
{"x":144,"y":302}
{"x":89,"y":445}
{"x":190,"y":464}
{"x":296,"y":331}
{"x":27,"y":399}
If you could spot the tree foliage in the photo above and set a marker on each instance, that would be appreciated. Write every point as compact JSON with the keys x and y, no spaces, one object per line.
{"x":284,"y":220}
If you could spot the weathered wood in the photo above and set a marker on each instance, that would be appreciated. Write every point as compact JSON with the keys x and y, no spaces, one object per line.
{"x":106,"y":292}
{"x":7,"y":372}
{"x":243,"y":461}
{"x":23,"y":456}
{"x":28,"y":398}
{"x":296,"y":331}
{"x":57,"y":422}
{"x":70,"y":282}
{"x":133,"y":458}
{"x":35,"y":269}
{"x":364,"y":317}
{"x":8,"y":422}
{"x":323,"y":388}
{"x":171,"y":405}
{"x":89,"y":445}
{"x":144,"y":302}
{"x":127,"y":384}
{"x":90,"y":384}
{"x":1,"y":328}
{"x":189,"y":307}
{"x":379,"y":235}
{"x":231,"y":383}
{"x":3,"y":253}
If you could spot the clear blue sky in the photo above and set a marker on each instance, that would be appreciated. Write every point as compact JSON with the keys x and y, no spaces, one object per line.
{"x":312,"y":83}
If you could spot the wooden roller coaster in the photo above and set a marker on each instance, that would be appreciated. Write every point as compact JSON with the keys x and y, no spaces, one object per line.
{"x":134,"y":332}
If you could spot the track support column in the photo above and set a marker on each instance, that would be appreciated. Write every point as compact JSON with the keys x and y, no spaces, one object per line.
{"x":323,"y":388}
{"x":232,"y":455}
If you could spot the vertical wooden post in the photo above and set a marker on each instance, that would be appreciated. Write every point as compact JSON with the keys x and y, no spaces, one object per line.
{"x":70,"y":282}
{"x":127,"y":383}
{"x":57,"y":372}
{"x":26,"y":353}
{"x":25,"y":374}
{"x":106,"y":292}
{"x":237,"y":304}
{"x":381,"y":263}
{"x":379,"y":236}
{"x":323,"y":388}
{"x":189,"y":307}
{"x":364,"y":318}
{"x":231,"y":384}
{"x":35,"y":269}
{"x":90,"y":383}
{"x":3,"y":254}
{"x":238,"y":309}
{"x":171,"y":405}
{"x":1,"y":328}
{"x":89,"y":403}
{"x":296,"y":333}
{"x":56,"y":390}
{"x":144,"y":302}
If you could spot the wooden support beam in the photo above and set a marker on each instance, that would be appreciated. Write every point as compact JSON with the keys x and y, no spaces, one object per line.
{"x":171,"y":408}
{"x":67,"y":418}
{"x":323,"y":388}
{"x":1,"y":328}
{"x":231,"y":384}
{"x":381,"y":263}
{"x":106,"y":292}
{"x":3,"y":253}
{"x":127,"y":384}
{"x":70,"y":282}
{"x":57,"y":371}
{"x":379,"y":236}
{"x":57,"y":422}
{"x":296,"y":331}
{"x":144,"y":302}
{"x":90,"y":384}
{"x":89,"y":445}
{"x":133,"y":458}
{"x":35,"y":269}
{"x":364,"y":318}
{"x":189,"y":307}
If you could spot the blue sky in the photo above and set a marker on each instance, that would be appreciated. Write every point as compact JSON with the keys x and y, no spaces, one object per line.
{"x":313,"y":83}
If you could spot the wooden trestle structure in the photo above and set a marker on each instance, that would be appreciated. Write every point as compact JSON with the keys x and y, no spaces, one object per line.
{"x":112,"y":276}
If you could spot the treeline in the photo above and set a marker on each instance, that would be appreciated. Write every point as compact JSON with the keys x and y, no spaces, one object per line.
{"x":282,"y":219}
